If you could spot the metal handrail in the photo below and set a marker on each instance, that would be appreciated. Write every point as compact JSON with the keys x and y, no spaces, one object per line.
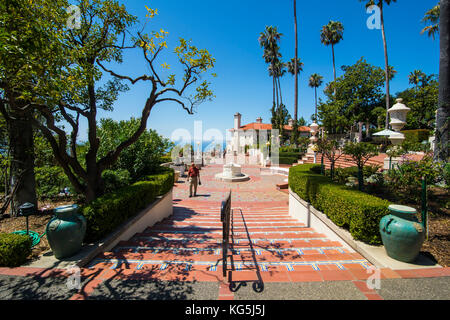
{"x":225,"y":217}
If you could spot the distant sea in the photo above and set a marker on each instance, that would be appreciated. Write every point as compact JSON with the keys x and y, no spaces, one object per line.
{"x":209,"y":145}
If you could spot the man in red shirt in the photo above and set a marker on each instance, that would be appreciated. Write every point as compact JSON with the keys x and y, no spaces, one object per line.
{"x":194,"y":179}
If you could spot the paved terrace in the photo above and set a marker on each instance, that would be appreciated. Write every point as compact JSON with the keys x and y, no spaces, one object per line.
{"x":273,"y":257}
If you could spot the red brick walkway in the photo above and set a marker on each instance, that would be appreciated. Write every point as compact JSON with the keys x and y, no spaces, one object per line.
{"x":268,"y":244}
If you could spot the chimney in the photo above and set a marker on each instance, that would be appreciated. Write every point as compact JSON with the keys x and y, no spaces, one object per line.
{"x":291,"y":122}
{"x":259,"y":120}
{"x":237,"y":121}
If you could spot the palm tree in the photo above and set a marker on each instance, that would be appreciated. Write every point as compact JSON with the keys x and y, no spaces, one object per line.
{"x":441,"y":152}
{"x":296,"y":65}
{"x":432,"y":17}
{"x":332,"y":34}
{"x":315,"y":81}
{"x":383,"y":34}
{"x":269,"y":41}
{"x":416,"y":77}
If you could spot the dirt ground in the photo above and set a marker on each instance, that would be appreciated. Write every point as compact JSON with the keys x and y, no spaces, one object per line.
{"x":36,"y":223}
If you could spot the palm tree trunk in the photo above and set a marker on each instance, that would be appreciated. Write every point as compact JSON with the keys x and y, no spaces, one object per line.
{"x":273,"y":82}
{"x":441,"y":152}
{"x":276,"y":93}
{"x":295,"y":65}
{"x":386,"y":71}
{"x":334,"y":68}
{"x":281,"y":96}
{"x":315,"y":95}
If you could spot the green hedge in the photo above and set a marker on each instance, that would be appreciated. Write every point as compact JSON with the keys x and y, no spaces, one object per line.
{"x":287,"y":160}
{"x":356,"y":211}
{"x":14,"y":249}
{"x":296,"y":155}
{"x":106,"y":213}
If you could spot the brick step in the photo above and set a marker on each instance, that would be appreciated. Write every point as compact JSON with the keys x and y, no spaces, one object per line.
{"x":175,"y":266}
{"x":236,"y":219}
{"x":236,"y":224}
{"x":218,"y":228}
{"x":194,"y":248}
{"x":180,"y":242}
{"x":245,"y":211}
{"x":237,"y":236}
{"x":216,"y":255}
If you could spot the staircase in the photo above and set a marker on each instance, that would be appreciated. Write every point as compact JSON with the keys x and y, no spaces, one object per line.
{"x":344,"y":161}
{"x":267,"y":245}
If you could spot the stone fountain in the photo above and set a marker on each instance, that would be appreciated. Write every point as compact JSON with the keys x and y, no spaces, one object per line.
{"x":232,"y":173}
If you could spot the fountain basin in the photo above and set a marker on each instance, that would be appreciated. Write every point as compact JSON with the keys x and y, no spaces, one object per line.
{"x":232,"y":173}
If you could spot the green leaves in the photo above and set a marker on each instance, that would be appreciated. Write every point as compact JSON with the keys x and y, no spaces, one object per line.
{"x":142,"y":157}
{"x":358,"y":93}
{"x":332,"y":33}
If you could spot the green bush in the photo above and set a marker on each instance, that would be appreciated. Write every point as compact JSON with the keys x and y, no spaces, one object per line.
{"x":296,"y":155}
{"x":289,"y":149}
{"x":354,"y":210}
{"x":106,"y":213}
{"x":417,"y":135}
{"x":50,"y":180}
{"x":115,"y":179}
{"x":342,"y":174}
{"x":287,"y":160}
{"x":447,"y":174}
{"x":14,"y":249}
{"x":165,"y":159}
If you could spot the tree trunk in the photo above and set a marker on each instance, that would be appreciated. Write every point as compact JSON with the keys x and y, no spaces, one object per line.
{"x":315,"y":96}
{"x":295,"y":63}
{"x":334,"y":69}
{"x":279,"y":86}
{"x":22,"y":159}
{"x":441,"y":152}
{"x":386,"y":71}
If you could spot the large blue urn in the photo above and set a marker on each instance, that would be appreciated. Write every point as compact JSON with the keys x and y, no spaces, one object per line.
{"x":401,"y":233}
{"x":66,"y":231}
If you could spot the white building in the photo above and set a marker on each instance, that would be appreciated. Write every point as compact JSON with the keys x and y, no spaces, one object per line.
{"x":249,"y":134}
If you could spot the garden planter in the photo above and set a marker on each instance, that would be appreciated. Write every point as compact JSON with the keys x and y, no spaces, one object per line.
{"x":401,"y":233}
{"x":66,"y":231}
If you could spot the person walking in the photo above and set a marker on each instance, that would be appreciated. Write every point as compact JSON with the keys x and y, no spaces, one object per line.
{"x":194,"y":179}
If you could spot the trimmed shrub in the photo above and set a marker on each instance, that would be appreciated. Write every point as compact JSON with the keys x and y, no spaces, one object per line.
{"x":341,"y":174}
{"x":14,"y":249}
{"x":289,"y":149}
{"x":354,"y":210}
{"x":106,"y":213}
{"x":287,"y":160}
{"x":296,"y":155}
{"x":115,"y":179}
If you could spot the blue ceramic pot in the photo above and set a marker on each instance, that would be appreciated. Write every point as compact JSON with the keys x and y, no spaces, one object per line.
{"x":401,"y":233}
{"x":66,"y":231}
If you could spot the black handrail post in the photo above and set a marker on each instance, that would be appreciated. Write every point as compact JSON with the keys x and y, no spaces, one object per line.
{"x":225,"y":214}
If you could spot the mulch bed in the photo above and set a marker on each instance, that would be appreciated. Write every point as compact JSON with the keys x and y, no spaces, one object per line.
{"x":37,"y":223}
{"x":437,"y":243}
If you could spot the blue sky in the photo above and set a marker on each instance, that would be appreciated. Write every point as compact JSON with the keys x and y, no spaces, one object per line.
{"x":230,"y":30}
